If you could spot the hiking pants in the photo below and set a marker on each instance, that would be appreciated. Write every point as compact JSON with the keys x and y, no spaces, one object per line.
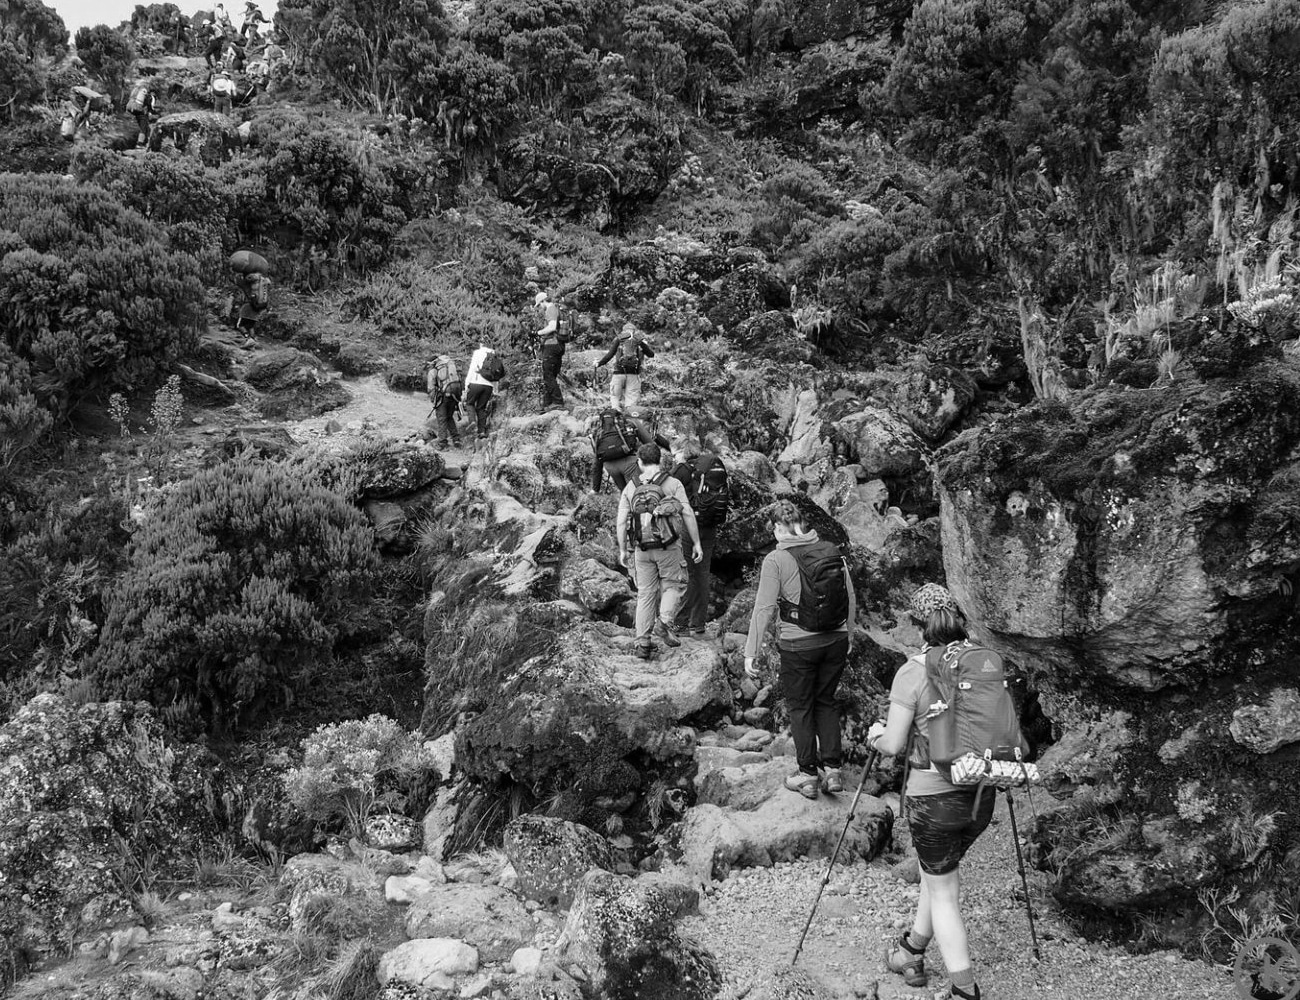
{"x":622,"y":469}
{"x":660,"y":584}
{"x":624,"y":390}
{"x":552,"y":357}
{"x":478,"y":398}
{"x":445,"y":412}
{"x":695,"y":606}
{"x":212,"y":54}
{"x":142,"y":126}
{"x":221,"y":104}
{"x":809,"y":678}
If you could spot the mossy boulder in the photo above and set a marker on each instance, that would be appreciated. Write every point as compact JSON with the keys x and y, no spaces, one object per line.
{"x":552,"y":855}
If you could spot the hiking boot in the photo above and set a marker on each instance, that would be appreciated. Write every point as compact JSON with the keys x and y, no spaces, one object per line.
{"x":907,"y":962}
{"x":665,"y":634}
{"x":442,"y":443}
{"x":804,"y":784}
{"x":832,"y":781}
{"x":645,"y":652}
{"x":951,"y":992}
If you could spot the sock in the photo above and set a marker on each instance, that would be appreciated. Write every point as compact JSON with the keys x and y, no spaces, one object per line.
{"x":918,"y":941}
{"x":964,"y":980}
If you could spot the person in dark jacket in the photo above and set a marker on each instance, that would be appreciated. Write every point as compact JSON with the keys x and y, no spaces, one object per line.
{"x":550,"y":340}
{"x":624,"y":470}
{"x":691,"y":466}
{"x":627,"y":351}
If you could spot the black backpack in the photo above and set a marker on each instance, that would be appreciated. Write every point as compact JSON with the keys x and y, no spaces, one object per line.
{"x":710,"y":492}
{"x":492,"y":369}
{"x":649,"y":527}
{"x":823,"y":595}
{"x":612,"y":436}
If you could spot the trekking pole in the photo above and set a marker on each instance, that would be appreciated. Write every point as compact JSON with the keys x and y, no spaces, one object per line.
{"x":866,"y":773}
{"x":1024,"y":881}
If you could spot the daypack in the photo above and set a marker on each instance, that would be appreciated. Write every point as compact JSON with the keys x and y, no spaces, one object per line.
{"x":139,"y":99}
{"x":653,"y":512}
{"x":823,"y":595}
{"x":628,"y":360}
{"x":613,"y":436}
{"x":492,"y":369}
{"x":259,"y":291}
{"x":710,"y":491}
{"x":971,"y":722}
{"x":563,"y":328}
{"x":444,"y":379}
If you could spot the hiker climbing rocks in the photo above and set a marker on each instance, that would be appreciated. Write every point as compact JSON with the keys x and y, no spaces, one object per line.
{"x":944,"y":820}
{"x":445,"y":389}
{"x":615,"y":437}
{"x":629,"y":347}
{"x":806,"y":581}
{"x":652,"y":516}
{"x":223,"y":20}
{"x":481,"y":377}
{"x":249,"y":30}
{"x":223,"y":93}
{"x":214,"y":44}
{"x":141,"y":105}
{"x":257,"y":299}
{"x":556,"y":331}
{"x":78,"y":107}
{"x":707,"y":488}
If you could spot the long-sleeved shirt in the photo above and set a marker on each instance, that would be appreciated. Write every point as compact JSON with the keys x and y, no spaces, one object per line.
{"x":642,"y":347}
{"x":472,"y":374}
{"x":672,"y":490}
{"x":779,"y":578}
{"x":644,"y":435}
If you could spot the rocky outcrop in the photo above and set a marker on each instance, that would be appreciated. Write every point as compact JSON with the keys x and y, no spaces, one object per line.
{"x":551,"y":856}
{"x":487,"y":917}
{"x":428,"y":963}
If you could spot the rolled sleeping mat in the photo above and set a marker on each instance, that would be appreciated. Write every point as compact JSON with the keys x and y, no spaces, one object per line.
{"x":247,"y":262}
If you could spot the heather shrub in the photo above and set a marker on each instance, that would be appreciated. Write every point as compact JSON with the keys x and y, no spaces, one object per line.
{"x":92,"y":294}
{"x":237,"y":589}
{"x":352,"y":768}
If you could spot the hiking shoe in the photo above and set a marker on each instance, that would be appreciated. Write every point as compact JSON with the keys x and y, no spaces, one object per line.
{"x":907,"y":962}
{"x":665,"y":634}
{"x":645,"y":652}
{"x":804,"y":784}
{"x":832,"y":781}
{"x":951,"y":992}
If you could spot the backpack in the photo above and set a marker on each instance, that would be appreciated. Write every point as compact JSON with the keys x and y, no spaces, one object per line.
{"x":710,"y":492}
{"x":563,"y":328}
{"x":139,"y":99}
{"x":613,"y":436}
{"x":492,"y":369}
{"x":444,"y":379}
{"x":823,"y":595}
{"x":259,"y":291}
{"x":972,"y":723}
{"x":651,"y":525}
{"x":628,"y":360}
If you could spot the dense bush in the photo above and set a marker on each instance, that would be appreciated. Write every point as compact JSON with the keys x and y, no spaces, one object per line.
{"x":237,"y":589}
{"x":108,"y":56}
{"x":32,"y":36}
{"x":92,"y":295}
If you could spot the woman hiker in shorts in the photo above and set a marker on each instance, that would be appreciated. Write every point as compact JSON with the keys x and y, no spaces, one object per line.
{"x":942,"y":818}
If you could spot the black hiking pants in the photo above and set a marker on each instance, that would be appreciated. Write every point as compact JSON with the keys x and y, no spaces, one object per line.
{"x":478,"y":398}
{"x":695,"y":609}
{"x":552,"y":358}
{"x":809,"y":677}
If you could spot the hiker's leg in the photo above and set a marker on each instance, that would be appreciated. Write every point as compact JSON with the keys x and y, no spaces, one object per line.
{"x":632,"y":393}
{"x":618,"y":470}
{"x":616,"y":385}
{"x":441,"y":412}
{"x":672,"y":580}
{"x":827,"y":711}
{"x":697,"y":600}
{"x":552,"y":359}
{"x":647,"y":595}
{"x":949,"y":930}
{"x":798,"y":679}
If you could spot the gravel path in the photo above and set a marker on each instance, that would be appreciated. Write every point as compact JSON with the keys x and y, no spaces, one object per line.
{"x":753,"y":919}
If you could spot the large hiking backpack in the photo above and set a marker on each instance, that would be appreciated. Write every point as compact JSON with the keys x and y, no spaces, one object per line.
{"x":612,"y":436}
{"x":492,"y":368}
{"x":628,"y":360}
{"x":259,"y":290}
{"x":710,"y":491}
{"x":139,"y":99}
{"x":444,"y":379}
{"x":973,"y":732}
{"x":653,"y":514}
{"x":823,"y":594}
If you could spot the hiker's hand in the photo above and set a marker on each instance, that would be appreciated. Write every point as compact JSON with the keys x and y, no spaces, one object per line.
{"x":751,"y":671}
{"x":696,"y":552}
{"x":622,"y":559}
{"x":874,"y":733}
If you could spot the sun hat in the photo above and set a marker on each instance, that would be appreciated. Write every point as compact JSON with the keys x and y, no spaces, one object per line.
{"x":539,"y":298}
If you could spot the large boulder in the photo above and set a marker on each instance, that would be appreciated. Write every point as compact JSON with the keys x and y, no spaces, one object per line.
{"x":395,"y":468}
{"x":596,"y":587}
{"x":487,"y":917}
{"x":623,"y":936}
{"x":550,"y":857}
{"x":883,"y":445}
{"x":427,"y":963}
{"x":315,"y":882}
{"x":542,"y":460}
{"x":1270,"y":724}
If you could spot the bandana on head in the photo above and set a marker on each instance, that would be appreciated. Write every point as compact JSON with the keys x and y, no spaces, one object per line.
{"x":932,"y":597}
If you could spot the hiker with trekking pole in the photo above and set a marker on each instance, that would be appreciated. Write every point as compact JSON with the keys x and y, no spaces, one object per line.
{"x":952,"y":717}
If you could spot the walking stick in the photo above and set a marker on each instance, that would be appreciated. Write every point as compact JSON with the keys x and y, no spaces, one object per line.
{"x":1024,"y":881}
{"x":866,"y":773}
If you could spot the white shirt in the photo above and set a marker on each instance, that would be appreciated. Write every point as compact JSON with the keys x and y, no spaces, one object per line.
{"x":472,"y":377}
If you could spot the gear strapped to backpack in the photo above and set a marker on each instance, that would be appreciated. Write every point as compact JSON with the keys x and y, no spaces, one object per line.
{"x":628,"y":360}
{"x":492,"y":368}
{"x":444,"y":380}
{"x":973,"y":733}
{"x":259,"y":290}
{"x":823,"y":593}
{"x":613,"y":436}
{"x":653,"y":512}
{"x":710,"y":492}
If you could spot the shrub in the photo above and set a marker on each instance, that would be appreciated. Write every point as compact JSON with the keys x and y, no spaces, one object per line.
{"x":237,"y":588}
{"x":108,"y":56}
{"x":350,"y":768}
{"x":92,"y":295}
{"x":23,"y":421}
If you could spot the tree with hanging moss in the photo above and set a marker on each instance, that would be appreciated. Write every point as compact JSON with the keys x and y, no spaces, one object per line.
{"x":238,"y":589}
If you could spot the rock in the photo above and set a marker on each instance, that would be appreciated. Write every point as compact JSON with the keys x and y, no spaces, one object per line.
{"x":831,"y":20}
{"x":428,"y":962}
{"x":746,"y":787}
{"x":405,"y":888}
{"x":439,"y":824}
{"x":786,"y":826}
{"x":932,"y":400}
{"x":712,"y":758}
{"x":486,"y":916}
{"x":443,"y":753}
{"x":224,"y":918}
{"x":757,"y":716}
{"x":786,"y":983}
{"x":594,"y":586}
{"x":683,"y":897}
{"x":396,"y":468}
{"x":430,"y":870}
{"x":552,"y":855}
{"x":265,"y":442}
{"x":122,"y":942}
{"x":479,"y":986}
{"x":805,"y":434}
{"x":526,"y":961}
{"x":882,"y":444}
{"x":391,"y":832}
{"x":621,"y":934}
{"x":1263,"y":728}
{"x":318,"y":879}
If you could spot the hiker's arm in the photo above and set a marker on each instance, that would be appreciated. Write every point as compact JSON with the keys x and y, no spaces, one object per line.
{"x":769,"y":590}
{"x":891,"y":738}
{"x":598,"y":477}
{"x":663,"y":442}
{"x":647,"y":350}
{"x":693,"y":530}
{"x":853,"y":605}
{"x":609,"y":355}
{"x":621,"y":528}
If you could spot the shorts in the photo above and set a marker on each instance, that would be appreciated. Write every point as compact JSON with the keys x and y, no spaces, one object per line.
{"x":943,"y":829}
